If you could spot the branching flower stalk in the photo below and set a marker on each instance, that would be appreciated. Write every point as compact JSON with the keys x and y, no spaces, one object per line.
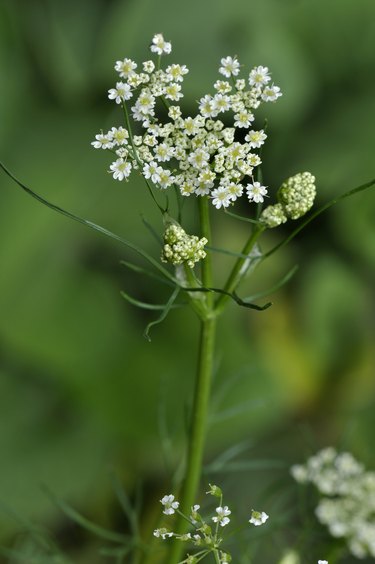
{"x":217,"y":161}
{"x":198,"y":155}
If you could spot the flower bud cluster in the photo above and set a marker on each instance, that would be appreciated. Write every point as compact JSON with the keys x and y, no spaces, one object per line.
{"x":205,"y":536}
{"x":296,"y":196}
{"x":273,"y":216}
{"x":179,"y":247}
{"x":347,"y":505}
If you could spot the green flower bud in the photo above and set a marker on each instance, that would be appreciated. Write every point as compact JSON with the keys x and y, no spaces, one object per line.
{"x":273,"y":216}
{"x":214,"y":490}
{"x":179,"y":247}
{"x":297,"y":194}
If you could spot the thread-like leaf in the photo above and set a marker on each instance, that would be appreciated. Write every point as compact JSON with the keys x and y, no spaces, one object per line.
{"x":232,"y":295}
{"x":284,"y":280}
{"x":153,"y":232}
{"x":125,"y":504}
{"x":86,"y":523}
{"x":241,"y":217}
{"x":144,"y":305}
{"x":233,"y":253}
{"x":146,"y":272}
{"x":230,"y":453}
{"x":164,"y":313}
{"x":90,"y":224}
{"x":246,"y":465}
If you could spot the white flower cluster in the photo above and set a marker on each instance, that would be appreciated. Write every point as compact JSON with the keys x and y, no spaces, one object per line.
{"x":198,"y":154}
{"x":179,"y":247}
{"x":296,"y":196}
{"x":204,"y":536}
{"x":348,"y":505}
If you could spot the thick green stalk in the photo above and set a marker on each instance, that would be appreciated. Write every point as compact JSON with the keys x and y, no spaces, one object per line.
{"x":197,"y":436}
{"x":204,"y":217}
{"x":239,"y":269}
{"x":198,"y":423}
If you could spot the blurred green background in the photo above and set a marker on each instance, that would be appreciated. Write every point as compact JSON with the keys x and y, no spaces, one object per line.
{"x":81,"y":391}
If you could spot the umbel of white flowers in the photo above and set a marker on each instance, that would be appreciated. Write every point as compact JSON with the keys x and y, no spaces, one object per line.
{"x":198,"y":154}
{"x":204,"y":537}
{"x":347,"y":505}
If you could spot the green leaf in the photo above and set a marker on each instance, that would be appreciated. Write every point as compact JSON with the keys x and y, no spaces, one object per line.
{"x":232,"y":295}
{"x":233,"y":253}
{"x":164,"y":314}
{"x":146,"y":272}
{"x":241,"y":217}
{"x":144,"y":305}
{"x":246,"y":465}
{"x":90,"y":224}
{"x":125,"y":504}
{"x":153,"y":232}
{"x":230,"y":453}
{"x":86,"y":523}
{"x":284,"y":280}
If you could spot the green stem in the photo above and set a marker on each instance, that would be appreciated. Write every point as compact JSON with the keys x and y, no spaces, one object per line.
{"x":204,"y":216}
{"x":216,"y":555}
{"x":239,"y":269}
{"x":198,"y":423}
{"x":197,"y":432}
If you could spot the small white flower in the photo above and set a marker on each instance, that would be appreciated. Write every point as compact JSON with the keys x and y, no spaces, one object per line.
{"x":206,"y":106}
{"x":175,"y":73}
{"x":149,"y":66}
{"x":243,"y":119}
{"x":271,"y":93}
{"x":259,"y":76}
{"x":103,"y":141}
{"x":162,"y":533}
{"x":120,"y":93}
{"x":145,"y":102}
{"x":240,"y":84}
{"x":222,"y":86}
{"x":165,"y":179}
{"x":120,"y":169}
{"x":172,"y":91}
{"x":150,"y":170}
{"x":125,"y":68}
{"x":170,"y":505}
{"x":163,"y":152}
{"x":221,"y":103}
{"x":119,"y":135}
{"x":229,"y":66}
{"x":221,"y":197}
{"x":174,"y":112}
{"x":256,"y":192}
{"x":322,"y":561}
{"x":159,"y":45}
{"x":258,"y":518}
{"x":256,"y":138}
{"x":234,"y":190}
{"x":222,"y":515}
{"x":199,"y":158}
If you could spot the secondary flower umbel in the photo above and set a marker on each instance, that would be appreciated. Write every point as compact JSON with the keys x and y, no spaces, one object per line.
{"x":203,"y":536}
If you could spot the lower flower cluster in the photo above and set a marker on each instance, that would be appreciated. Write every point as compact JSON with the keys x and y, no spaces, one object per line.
{"x":205,"y":536}
{"x":347,"y":505}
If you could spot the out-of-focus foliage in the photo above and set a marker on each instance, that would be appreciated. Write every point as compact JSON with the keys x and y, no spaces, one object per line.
{"x":80,"y":389}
